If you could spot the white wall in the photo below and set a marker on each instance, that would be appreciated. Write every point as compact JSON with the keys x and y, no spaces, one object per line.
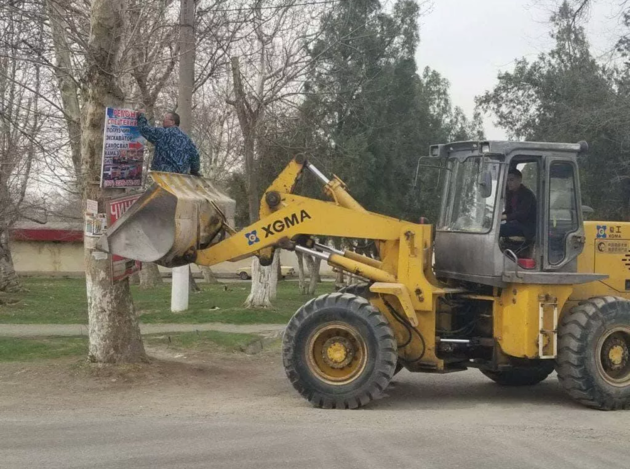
{"x":56,"y":258}
{"x":59,"y":258}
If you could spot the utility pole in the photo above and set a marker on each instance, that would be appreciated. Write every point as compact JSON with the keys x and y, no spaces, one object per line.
{"x":181,"y":280}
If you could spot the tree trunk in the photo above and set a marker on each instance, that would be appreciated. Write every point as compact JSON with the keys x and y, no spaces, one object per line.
{"x":9,"y":282}
{"x":186,"y":63}
{"x":68,"y":87}
{"x":193,"y":287}
{"x":318,"y":267}
{"x":247,"y":122}
{"x":113,"y":328}
{"x":208,"y":275}
{"x":279,"y":266}
{"x":263,"y":282}
{"x":262,"y":278}
{"x":150,"y":276}
{"x":312,"y":284}
{"x":301,"y":275}
{"x":184,"y":108}
{"x":275,"y":275}
{"x":339,"y":280}
{"x":134,"y":279}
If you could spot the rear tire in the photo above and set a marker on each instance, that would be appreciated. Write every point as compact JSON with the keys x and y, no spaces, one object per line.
{"x":593,"y":362}
{"x":243,"y":276}
{"x":339,"y":351}
{"x":521,"y":375}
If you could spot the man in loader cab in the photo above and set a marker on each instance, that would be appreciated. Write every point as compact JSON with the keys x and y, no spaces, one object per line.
{"x":175,"y":152}
{"x":520,"y":208}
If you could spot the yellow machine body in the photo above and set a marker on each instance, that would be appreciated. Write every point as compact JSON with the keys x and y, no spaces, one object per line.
{"x":606,"y":251}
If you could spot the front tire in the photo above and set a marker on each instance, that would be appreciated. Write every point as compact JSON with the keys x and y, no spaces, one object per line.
{"x":593,"y":362}
{"x":522,"y":375}
{"x":363,"y":290}
{"x":339,"y":351}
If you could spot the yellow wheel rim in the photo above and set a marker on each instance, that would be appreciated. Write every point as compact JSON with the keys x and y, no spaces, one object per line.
{"x":337,"y":354}
{"x":613,"y":352}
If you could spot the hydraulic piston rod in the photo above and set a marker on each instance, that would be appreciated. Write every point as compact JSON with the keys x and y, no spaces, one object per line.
{"x":317,"y":173}
{"x":351,"y":255}
{"x":350,"y":265}
{"x":336,"y":189}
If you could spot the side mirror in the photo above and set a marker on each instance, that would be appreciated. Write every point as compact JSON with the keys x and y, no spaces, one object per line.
{"x":485,"y":184}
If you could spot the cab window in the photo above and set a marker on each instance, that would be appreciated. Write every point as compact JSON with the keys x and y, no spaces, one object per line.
{"x":563,"y":209}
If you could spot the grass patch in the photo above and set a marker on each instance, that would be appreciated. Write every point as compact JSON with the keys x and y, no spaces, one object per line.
{"x":41,"y":348}
{"x":202,"y":340}
{"x":56,"y":301}
{"x":18,"y":350}
{"x":63,"y":301}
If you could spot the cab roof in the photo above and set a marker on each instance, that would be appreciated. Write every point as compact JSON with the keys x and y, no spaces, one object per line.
{"x":497,"y":147}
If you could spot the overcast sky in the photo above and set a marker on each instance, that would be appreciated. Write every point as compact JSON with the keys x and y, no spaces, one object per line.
{"x":470,"y":41}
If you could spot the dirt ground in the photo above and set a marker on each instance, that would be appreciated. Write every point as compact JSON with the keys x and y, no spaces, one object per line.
{"x":235,"y":411}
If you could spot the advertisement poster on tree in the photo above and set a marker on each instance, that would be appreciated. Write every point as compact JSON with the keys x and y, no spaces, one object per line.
{"x":123,"y":150}
{"x":121,"y":267}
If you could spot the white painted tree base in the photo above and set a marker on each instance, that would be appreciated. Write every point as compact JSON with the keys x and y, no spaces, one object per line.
{"x":264,"y":283}
{"x":180,"y":289}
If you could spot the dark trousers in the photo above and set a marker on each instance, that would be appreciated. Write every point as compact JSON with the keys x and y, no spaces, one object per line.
{"x":513,"y":228}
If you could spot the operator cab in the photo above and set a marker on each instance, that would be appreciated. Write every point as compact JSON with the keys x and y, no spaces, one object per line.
{"x":494,"y":231}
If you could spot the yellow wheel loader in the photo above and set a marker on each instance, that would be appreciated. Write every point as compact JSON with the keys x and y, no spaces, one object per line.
{"x":437,"y":299}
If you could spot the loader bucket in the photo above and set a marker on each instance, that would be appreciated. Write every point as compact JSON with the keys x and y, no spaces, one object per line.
{"x":171,"y":221}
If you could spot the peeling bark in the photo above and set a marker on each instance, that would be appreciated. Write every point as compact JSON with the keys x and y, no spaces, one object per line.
{"x":112,"y":324}
{"x":262,"y":279}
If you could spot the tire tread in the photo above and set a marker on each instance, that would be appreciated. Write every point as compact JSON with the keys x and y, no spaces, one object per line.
{"x":574,"y":350}
{"x":383,"y":333}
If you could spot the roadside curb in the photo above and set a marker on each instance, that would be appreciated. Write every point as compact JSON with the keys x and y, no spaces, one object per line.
{"x":73,"y":330}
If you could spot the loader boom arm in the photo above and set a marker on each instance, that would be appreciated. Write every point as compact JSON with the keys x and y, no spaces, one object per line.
{"x":288,"y":221}
{"x":284,"y":215}
{"x":295,"y":216}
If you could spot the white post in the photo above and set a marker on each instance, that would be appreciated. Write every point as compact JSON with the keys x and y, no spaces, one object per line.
{"x":181,"y":280}
{"x":180,"y":289}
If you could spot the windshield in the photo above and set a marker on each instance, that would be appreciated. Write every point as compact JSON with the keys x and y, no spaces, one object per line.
{"x":465,"y":207}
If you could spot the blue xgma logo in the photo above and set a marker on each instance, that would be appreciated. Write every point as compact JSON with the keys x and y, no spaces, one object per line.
{"x":252,"y":237}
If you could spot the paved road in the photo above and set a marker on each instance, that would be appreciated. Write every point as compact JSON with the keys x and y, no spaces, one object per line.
{"x":37,"y":330}
{"x":432,"y":422}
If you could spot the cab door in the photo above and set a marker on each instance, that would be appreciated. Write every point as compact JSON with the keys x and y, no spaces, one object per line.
{"x":563,"y":238}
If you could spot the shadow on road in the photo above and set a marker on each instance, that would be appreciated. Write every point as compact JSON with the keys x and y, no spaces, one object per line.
{"x":452,"y":392}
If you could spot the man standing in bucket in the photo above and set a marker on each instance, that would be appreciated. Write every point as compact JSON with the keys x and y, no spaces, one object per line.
{"x":175,"y":152}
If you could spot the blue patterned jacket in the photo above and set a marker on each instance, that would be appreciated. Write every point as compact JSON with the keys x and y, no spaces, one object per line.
{"x":175,"y":152}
